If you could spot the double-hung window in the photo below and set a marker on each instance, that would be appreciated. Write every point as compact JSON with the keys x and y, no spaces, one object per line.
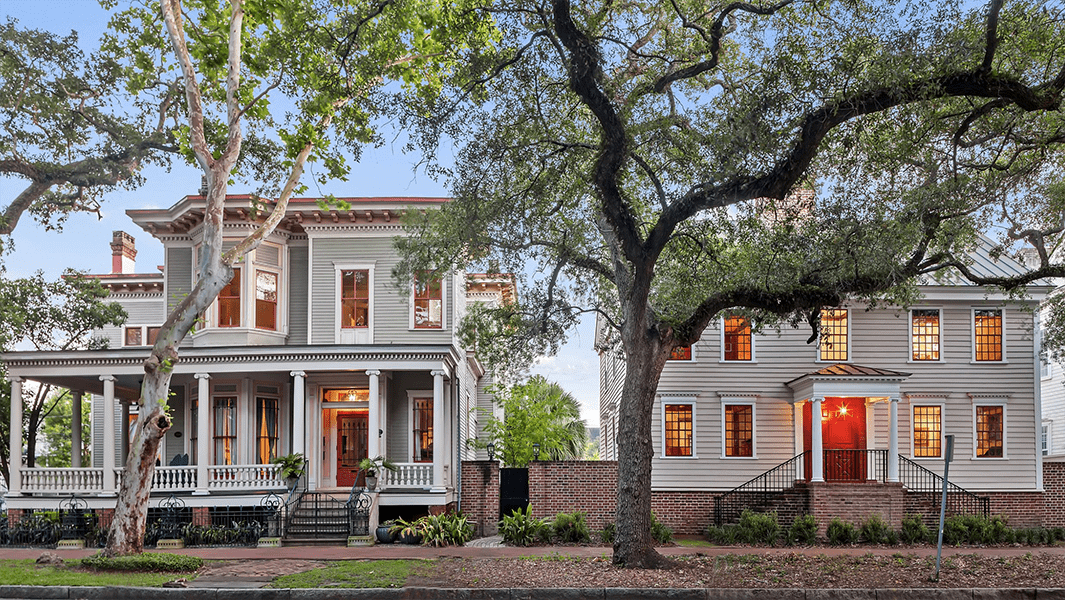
{"x":678,"y":429}
{"x":927,"y":431}
{"x":834,"y":343}
{"x":355,"y":298}
{"x":987,"y":335}
{"x":737,"y":342}
{"x":225,"y":430}
{"x":990,"y":431}
{"x":268,"y":414}
{"x":423,"y":429}
{"x":924,"y":334}
{"x":266,"y":300}
{"x":428,"y":302}
{"x":229,"y":302}
{"x":738,"y":430}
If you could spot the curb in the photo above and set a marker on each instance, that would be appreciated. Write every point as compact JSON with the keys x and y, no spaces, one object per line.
{"x":417,"y":593}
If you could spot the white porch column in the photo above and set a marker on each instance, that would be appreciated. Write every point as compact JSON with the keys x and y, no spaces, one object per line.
{"x":797,"y":412}
{"x":203,"y":419}
{"x":893,"y":441}
{"x":438,"y":429}
{"x":15,"y":444}
{"x":373,"y":439}
{"x":75,"y":430}
{"x":817,"y":462}
{"x":299,"y":413}
{"x":109,"y":434}
{"x":123,"y":434}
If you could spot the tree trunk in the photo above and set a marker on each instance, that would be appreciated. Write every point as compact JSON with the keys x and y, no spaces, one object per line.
{"x":645,"y":359}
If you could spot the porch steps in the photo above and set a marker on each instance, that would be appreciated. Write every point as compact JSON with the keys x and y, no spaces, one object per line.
{"x":317,"y":520}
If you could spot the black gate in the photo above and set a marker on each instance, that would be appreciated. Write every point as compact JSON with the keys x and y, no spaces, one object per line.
{"x":513,"y":490}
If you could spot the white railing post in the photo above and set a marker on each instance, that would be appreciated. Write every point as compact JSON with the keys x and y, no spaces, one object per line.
{"x":893,"y":441}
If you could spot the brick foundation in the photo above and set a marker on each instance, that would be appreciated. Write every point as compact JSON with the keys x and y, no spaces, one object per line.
{"x":855,"y":502}
{"x":201,"y":515}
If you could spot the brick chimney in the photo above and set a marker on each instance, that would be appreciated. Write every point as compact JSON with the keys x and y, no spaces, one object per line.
{"x":123,"y":254}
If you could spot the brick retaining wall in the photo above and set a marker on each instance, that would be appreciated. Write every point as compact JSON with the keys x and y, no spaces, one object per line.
{"x":1054,"y":494}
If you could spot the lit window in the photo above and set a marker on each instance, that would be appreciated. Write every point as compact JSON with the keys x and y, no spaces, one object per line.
{"x":737,"y":338}
{"x":833,"y":343}
{"x":229,"y":302}
{"x":927,"y":430}
{"x":925,"y":333}
{"x":739,"y":430}
{"x":225,"y":430}
{"x":423,"y":430}
{"x":268,"y":410}
{"x":428,"y":303}
{"x":134,"y":336}
{"x":678,"y":429}
{"x":681,"y":353}
{"x":265,"y":300}
{"x":989,"y":431}
{"x":355,"y":299}
{"x":987,"y":329}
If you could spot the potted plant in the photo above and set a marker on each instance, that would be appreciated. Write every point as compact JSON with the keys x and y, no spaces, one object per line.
{"x":373,"y":466}
{"x":384,"y":532}
{"x":293,"y":466}
{"x":407,"y":532}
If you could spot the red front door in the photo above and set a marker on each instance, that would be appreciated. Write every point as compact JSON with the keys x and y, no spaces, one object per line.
{"x":842,"y":438}
{"x":351,"y":446}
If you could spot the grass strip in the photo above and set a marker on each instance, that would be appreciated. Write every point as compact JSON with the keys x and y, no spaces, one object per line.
{"x":356,"y":574}
{"x":26,"y":572}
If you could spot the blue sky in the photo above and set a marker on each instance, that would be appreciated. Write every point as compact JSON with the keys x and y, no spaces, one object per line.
{"x":84,"y":243}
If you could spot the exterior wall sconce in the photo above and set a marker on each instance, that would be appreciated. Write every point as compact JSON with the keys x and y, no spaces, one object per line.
{"x":536,"y":451}
{"x":491,"y":447}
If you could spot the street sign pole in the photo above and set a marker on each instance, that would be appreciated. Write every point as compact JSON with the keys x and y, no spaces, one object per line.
{"x":947,"y":456}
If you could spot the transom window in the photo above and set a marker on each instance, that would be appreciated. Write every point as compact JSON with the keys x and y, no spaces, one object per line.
{"x":739,"y":430}
{"x":927,"y":431}
{"x":737,"y":338}
{"x":355,"y":299}
{"x":834,"y":334}
{"x":229,"y":303}
{"x":678,"y":429}
{"x":989,"y":431}
{"x":924,"y":324}
{"x":266,"y":300}
{"x":987,"y":334}
{"x":428,"y":302}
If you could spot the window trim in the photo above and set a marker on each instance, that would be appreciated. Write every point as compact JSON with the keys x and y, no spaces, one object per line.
{"x":909,"y":336}
{"x":849,"y":328}
{"x":664,"y":401}
{"x":942,"y":429}
{"x":144,"y":329}
{"x":277,"y":299}
{"x":280,"y":425}
{"x":721,"y":337}
{"x":443,"y":308}
{"x":1044,"y":362}
{"x":1049,"y":449}
{"x":238,"y":271}
{"x":982,"y":401}
{"x":731,"y":401}
{"x":972,"y":335}
{"x":412,"y":439}
{"x":338,"y":311}
{"x":690,"y":359}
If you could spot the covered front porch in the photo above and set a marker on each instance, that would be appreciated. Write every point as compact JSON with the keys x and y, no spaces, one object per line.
{"x":234,"y":410}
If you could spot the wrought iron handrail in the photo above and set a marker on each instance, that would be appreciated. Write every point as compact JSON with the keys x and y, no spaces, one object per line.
{"x":855,"y":464}
{"x":757,"y":491}
{"x":355,"y":487}
{"x":919,"y":479}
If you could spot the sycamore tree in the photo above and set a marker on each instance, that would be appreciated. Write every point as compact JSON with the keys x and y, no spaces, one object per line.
{"x":665,"y":163}
{"x":308,"y":78}
{"x":70,"y":131}
{"x":48,"y":316}
{"x":537,"y":411}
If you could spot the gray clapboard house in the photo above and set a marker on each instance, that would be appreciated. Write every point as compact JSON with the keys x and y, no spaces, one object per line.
{"x":870,"y":402}
{"x":310,"y":349}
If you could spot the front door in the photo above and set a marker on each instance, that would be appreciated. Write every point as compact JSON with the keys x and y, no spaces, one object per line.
{"x":842,"y":438}
{"x":351,"y":446}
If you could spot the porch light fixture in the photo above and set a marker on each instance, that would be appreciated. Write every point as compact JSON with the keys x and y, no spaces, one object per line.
{"x":842,"y":409}
{"x":491,"y":451}
{"x":536,"y":450}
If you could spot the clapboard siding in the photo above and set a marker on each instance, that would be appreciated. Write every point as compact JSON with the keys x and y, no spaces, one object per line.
{"x":391,"y":307}
{"x":178,"y":275}
{"x":611,"y":381}
{"x":176,"y":445}
{"x":879,"y":338}
{"x":297,"y":300}
{"x":97,"y":419}
{"x":1053,"y":401}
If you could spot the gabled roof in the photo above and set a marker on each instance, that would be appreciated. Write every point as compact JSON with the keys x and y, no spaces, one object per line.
{"x":849,"y":371}
{"x":983,"y":264}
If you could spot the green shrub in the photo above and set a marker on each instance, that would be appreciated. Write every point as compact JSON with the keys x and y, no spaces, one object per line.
{"x":758,"y":528}
{"x":841,"y":533}
{"x":874,"y":530}
{"x":450,"y":529}
{"x":571,"y":528}
{"x":148,"y":562}
{"x":914,"y":531}
{"x":892,"y":537}
{"x":1059,"y":534}
{"x":726,"y":535}
{"x":659,"y":531}
{"x":803,"y":531}
{"x":999,"y":530}
{"x":955,"y":530}
{"x":521,"y":529}
{"x":607,"y":534}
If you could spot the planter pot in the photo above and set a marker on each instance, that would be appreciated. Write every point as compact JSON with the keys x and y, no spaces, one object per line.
{"x":407,"y":538}
{"x":371,"y":482}
{"x":383,"y":535}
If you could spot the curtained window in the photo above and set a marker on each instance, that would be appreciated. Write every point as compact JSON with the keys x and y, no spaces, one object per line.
{"x":268,"y":411}
{"x":423,"y":430}
{"x":225,"y":430}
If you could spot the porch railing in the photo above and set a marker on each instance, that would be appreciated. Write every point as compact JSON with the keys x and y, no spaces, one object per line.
{"x":855,"y":465}
{"x":62,"y":480}
{"x":758,"y":491}
{"x":244,"y":477}
{"x":923,"y":481}
{"x":407,"y":475}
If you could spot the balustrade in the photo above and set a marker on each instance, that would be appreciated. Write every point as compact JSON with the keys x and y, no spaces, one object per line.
{"x":62,"y":481}
{"x":408,"y":475}
{"x":244,"y":477}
